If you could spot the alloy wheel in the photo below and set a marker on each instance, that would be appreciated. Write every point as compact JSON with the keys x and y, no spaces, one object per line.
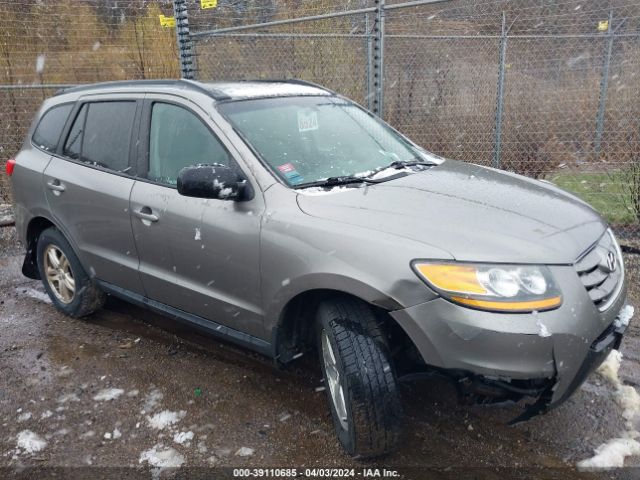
{"x":59,"y":275}
{"x":334,"y":380}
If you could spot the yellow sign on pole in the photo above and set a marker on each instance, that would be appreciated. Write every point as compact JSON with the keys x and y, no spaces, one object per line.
{"x":208,"y":3}
{"x":603,"y":25}
{"x":169,"y":22}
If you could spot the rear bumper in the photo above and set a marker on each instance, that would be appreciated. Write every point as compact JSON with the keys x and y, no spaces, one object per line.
{"x":555,"y":350}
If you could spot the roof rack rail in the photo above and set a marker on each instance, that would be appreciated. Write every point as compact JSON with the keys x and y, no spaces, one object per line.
{"x":212,"y":92}
{"x":193,"y":85}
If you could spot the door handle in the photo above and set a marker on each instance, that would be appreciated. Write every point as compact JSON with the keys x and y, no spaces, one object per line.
{"x":56,"y":186}
{"x":145,"y":214}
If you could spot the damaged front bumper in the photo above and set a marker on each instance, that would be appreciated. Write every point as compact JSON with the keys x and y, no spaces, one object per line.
{"x":609,"y":340}
{"x":546,"y":356}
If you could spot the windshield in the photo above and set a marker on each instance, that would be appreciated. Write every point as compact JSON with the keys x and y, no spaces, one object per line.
{"x":309,"y":139}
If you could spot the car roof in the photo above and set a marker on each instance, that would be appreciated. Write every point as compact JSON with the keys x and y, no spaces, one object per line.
{"x":221,"y":91}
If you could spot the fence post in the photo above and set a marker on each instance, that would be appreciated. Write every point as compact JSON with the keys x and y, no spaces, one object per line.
{"x":604,"y":88}
{"x":369,"y":53}
{"x":497,"y":152}
{"x":183,"y":38}
{"x":378,"y":59}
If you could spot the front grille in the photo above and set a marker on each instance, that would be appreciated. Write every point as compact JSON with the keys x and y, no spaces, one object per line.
{"x":603,"y":283}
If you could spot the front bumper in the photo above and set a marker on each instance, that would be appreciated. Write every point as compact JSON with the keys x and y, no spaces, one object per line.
{"x":508,"y":347}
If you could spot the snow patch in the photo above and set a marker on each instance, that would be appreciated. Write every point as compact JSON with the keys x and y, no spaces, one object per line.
{"x":224,"y":193}
{"x":624,"y":317}
{"x":183,"y":437}
{"x":46,"y":414}
{"x":543,"y":331}
{"x":609,"y":368}
{"x":24,"y":417}
{"x":33,"y":293}
{"x":314,"y":191}
{"x":165,"y":418}
{"x":198,"y":234}
{"x":244,"y":452}
{"x":68,"y":397}
{"x":152,"y":399}
{"x":161,"y":456}
{"x":30,"y":442}
{"x":108,"y":394}
{"x":613,"y":453}
{"x":627,"y":397}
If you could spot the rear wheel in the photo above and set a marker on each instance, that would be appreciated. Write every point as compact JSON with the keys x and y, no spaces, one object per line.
{"x":359,"y":380}
{"x":68,"y":285}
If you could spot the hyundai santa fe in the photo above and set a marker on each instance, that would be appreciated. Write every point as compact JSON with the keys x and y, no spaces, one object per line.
{"x":287,"y":219}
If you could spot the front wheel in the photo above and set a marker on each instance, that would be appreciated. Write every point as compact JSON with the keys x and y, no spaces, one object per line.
{"x":359,"y":380}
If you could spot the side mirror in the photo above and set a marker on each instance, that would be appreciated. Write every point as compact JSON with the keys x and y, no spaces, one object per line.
{"x":211,"y":181}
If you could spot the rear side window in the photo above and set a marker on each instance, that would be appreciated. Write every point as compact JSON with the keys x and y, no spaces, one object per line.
{"x":101,"y":135}
{"x":50,"y":127}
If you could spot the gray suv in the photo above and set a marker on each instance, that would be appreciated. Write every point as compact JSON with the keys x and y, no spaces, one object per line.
{"x":287,"y":219}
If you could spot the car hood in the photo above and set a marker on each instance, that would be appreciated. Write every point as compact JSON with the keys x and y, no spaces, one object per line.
{"x":475,"y":213}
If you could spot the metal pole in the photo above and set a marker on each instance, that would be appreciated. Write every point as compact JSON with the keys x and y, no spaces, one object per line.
{"x":415,"y":3}
{"x":500,"y":95}
{"x":183,"y":39}
{"x":38,"y":87}
{"x":604,"y":87}
{"x":323,"y":16}
{"x":369,"y":53}
{"x":287,"y":21}
{"x":378,"y":59}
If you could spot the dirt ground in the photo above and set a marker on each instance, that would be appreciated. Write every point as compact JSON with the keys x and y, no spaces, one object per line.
{"x":126,"y":385}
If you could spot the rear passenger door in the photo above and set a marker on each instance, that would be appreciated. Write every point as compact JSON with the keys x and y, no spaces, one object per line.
{"x":88,"y":183}
{"x":200,"y":256}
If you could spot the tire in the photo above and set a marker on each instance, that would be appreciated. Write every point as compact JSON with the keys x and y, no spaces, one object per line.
{"x":86,"y":297}
{"x":373,"y":424}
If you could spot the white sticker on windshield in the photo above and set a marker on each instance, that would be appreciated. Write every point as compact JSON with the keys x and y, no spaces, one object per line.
{"x":307,"y":120}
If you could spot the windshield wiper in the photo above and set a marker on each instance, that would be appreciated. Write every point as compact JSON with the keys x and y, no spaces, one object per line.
{"x":398,"y":164}
{"x":337,"y":181}
{"x":352,"y":179}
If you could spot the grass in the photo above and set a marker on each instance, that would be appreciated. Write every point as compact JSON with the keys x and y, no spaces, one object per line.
{"x":606,"y":192}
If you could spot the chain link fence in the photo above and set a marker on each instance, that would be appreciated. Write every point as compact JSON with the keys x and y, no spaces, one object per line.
{"x":547,"y":89}
{"x":550,"y":90}
{"x":45,"y":46}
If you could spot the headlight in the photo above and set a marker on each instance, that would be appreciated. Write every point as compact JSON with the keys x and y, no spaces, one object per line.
{"x":504,"y":288}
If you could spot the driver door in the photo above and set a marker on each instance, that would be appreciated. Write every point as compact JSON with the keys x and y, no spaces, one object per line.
{"x":197,"y":255}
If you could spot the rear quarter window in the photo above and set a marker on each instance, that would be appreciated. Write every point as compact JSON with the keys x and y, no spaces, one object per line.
{"x":47,"y":133}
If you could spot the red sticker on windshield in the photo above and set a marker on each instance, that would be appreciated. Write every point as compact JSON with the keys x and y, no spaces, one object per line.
{"x":286,"y":168}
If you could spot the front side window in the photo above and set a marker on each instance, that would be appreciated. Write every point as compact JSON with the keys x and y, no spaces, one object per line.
{"x":178,"y":139}
{"x":309,"y":139}
{"x":101,"y":135}
{"x":50,"y":127}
